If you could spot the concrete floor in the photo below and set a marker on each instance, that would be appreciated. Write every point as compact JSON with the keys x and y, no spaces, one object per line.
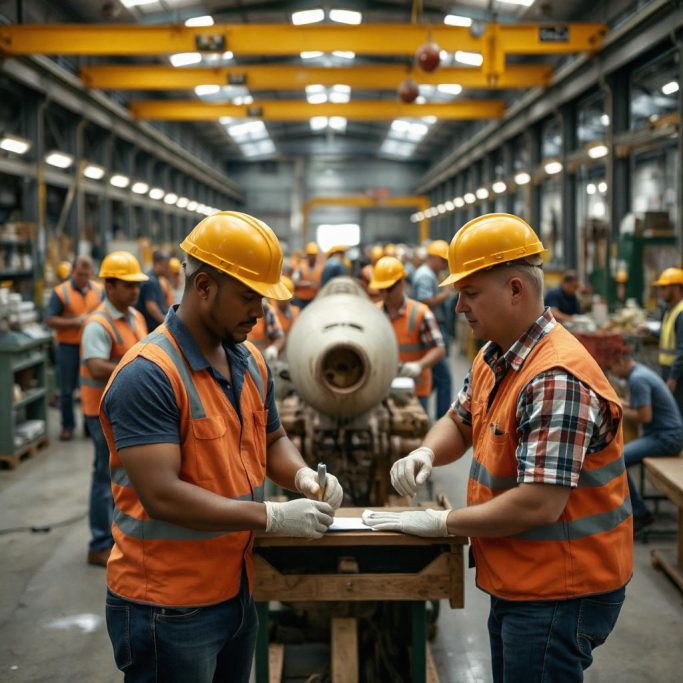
{"x":52,"y":603}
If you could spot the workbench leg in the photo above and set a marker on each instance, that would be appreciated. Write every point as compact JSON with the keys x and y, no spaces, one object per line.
{"x":262,"y":643}
{"x":418,"y":664}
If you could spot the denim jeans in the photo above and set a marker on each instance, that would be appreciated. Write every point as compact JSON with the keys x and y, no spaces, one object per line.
{"x":184,"y":645}
{"x":68,"y":361}
{"x":650,"y":445}
{"x":549,"y":641}
{"x":101,"y":500}
{"x":441,"y":380}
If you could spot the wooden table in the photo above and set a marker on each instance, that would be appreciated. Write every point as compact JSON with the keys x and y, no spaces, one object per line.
{"x":666,"y":474}
{"x":357,"y":566}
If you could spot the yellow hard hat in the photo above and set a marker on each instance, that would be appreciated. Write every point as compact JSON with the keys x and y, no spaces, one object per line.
{"x":240,"y":246}
{"x":621,"y":276}
{"x":438,"y":248}
{"x":671,"y":276}
{"x":312,"y":249}
{"x":174,"y":265}
{"x":288,"y":283}
{"x":488,"y":241}
{"x":386,"y":273}
{"x":390,"y":249}
{"x":63,"y":270}
{"x":376,"y":254}
{"x":122,"y":265}
{"x":336,"y":249}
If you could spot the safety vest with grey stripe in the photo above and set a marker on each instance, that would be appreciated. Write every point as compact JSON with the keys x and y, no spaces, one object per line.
{"x":411,"y":348}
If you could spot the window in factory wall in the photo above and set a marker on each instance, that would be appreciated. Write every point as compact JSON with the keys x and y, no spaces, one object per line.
{"x":654,"y":91}
{"x":328,"y":235}
{"x":593,"y":227}
{"x":551,"y":220}
{"x":592,"y":120}
{"x":653,"y":189}
{"x":551,"y":138}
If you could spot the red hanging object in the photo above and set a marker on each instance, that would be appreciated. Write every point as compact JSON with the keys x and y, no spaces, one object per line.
{"x":428,"y":56}
{"x":408,"y":91}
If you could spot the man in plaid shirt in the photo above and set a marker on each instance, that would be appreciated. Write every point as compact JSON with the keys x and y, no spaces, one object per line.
{"x":548,"y":511}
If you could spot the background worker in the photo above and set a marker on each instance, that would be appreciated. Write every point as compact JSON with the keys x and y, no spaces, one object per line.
{"x":548,"y":508}
{"x":426,"y":290}
{"x":110,"y":330}
{"x":652,"y":406}
{"x":285,"y":311}
{"x":67,"y":310}
{"x":267,"y":335}
{"x":307,"y":276}
{"x":153,"y":299}
{"x":562,"y":299}
{"x":193,"y":429}
{"x":365,"y":276}
{"x":420,"y":344}
{"x":334,"y":266}
{"x":175,"y":280}
{"x":670,"y":283}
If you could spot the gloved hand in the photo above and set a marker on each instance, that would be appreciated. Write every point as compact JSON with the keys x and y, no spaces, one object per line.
{"x":410,"y":369}
{"x":271,"y":353}
{"x":409,"y":472}
{"x":301,"y":518}
{"x":306,"y":482}
{"x":430,"y":523}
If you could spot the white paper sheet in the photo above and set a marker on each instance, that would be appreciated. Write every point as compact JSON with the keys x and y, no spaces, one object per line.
{"x":348,"y":524}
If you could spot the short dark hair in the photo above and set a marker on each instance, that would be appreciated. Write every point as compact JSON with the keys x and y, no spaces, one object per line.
{"x":570,"y":276}
{"x":160,"y":255}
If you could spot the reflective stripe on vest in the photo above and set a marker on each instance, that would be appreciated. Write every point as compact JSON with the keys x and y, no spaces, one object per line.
{"x":667,"y":337}
{"x":410,"y":346}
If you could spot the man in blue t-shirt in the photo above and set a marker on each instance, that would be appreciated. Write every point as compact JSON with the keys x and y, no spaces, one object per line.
{"x":562,"y":300}
{"x":653,"y":406}
{"x":153,"y":300}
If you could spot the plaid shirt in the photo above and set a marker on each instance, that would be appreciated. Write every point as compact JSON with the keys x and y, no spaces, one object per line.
{"x":430,"y":333}
{"x":559,"y":419}
{"x":273,"y":328}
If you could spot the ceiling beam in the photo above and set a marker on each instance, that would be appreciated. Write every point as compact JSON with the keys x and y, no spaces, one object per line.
{"x":297,"y":110}
{"x":262,"y":40}
{"x":289,"y":77}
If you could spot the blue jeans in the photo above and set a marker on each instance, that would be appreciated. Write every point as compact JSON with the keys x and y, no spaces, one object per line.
{"x":101,"y":500}
{"x":68,"y":361}
{"x":549,"y":641}
{"x":424,"y":402}
{"x":441,"y":381}
{"x":186,"y":644}
{"x":647,"y":446}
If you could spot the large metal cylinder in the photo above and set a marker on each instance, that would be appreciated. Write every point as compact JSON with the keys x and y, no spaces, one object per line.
{"x":342,"y":351}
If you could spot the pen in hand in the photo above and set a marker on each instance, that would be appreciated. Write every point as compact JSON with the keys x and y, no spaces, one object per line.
{"x":322,"y":480}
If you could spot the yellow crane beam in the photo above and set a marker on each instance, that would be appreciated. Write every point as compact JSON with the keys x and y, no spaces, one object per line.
{"x":287,"y":77}
{"x":300,"y":110}
{"x":264,"y":40}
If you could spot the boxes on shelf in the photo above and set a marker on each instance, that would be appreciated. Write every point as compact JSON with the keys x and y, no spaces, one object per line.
{"x":27,"y":431}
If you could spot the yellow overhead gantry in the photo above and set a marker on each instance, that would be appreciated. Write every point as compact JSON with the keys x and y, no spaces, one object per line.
{"x":419,"y":202}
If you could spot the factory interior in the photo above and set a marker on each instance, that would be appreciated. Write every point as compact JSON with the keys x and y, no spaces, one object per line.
{"x":362,"y":207}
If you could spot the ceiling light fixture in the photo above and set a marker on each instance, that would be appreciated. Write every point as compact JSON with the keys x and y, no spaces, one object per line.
{"x":469,"y":58}
{"x":14,"y":144}
{"x":185,"y":58}
{"x":670,"y":88}
{"x":598,"y":151}
{"x":139,"y":187}
{"x":552,"y":167}
{"x":308,"y":16}
{"x":499,"y":187}
{"x":59,"y":159}
{"x":522,"y":178}
{"x":119,"y":180}
{"x":94,"y":172}
{"x":346,"y":16}
{"x":204,"y":20}
{"x":457,"y":20}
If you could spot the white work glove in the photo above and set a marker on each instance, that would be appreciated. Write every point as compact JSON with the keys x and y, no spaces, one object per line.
{"x":410,"y":369}
{"x":271,"y":353}
{"x":409,"y":472}
{"x":430,"y":523}
{"x":301,"y":518}
{"x":306,"y":482}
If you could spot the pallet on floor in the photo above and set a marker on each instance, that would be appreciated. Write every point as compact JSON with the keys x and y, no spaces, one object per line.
{"x":26,"y":451}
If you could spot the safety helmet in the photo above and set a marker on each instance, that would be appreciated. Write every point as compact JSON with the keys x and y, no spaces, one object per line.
{"x":63,"y":270}
{"x":174,"y":265}
{"x":312,"y":249}
{"x":438,"y":248}
{"x":386,"y":273}
{"x":390,"y":249}
{"x":621,"y":276}
{"x":671,"y":276}
{"x":243,"y":247}
{"x":122,"y":265}
{"x":288,"y":283}
{"x":336,"y":249}
{"x":376,"y":253}
{"x":488,"y":241}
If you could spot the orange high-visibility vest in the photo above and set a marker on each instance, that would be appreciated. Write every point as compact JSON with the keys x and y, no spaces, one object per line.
{"x":589,"y":550}
{"x":257,"y":335}
{"x":76,"y":304}
{"x":410,"y":346}
{"x":309,"y":274}
{"x":161,"y":563}
{"x":286,"y":321}
{"x":123,"y":337}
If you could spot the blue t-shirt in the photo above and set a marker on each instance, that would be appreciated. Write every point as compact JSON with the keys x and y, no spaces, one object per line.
{"x":646,"y":388}
{"x":150,"y":290}
{"x":425,"y":286}
{"x":333,"y":268}
{"x":563,"y":302}
{"x":141,"y":405}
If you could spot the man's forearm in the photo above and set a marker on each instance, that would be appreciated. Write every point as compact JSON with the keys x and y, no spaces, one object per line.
{"x":154,"y":311}
{"x":446,"y":440}
{"x":432,"y":357}
{"x":283,"y":462}
{"x":60,"y":323}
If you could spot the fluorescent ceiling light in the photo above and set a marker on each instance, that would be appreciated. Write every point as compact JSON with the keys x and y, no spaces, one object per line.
{"x":449,"y":88}
{"x":137,"y":3}
{"x":59,"y":159}
{"x":459,"y":202}
{"x":171,"y":198}
{"x":337,"y":123}
{"x":449,"y":205}
{"x":247,"y":99}
{"x":522,"y":178}
{"x":441,"y":208}
{"x":339,"y":97}
{"x":420,"y":100}
{"x":318,"y":122}
{"x":185,"y":58}
{"x":329,"y":235}
{"x":227,"y":55}
{"x":597,"y":151}
{"x":310,"y":54}
{"x":204,"y":20}
{"x":552,"y":167}
{"x":457,"y":20}
{"x":520,"y":3}
{"x":590,"y":188}
{"x":499,"y":186}
{"x":602,"y":187}
{"x":17,"y":145}
{"x":344,"y":54}
{"x":182,"y":202}
{"x":94,"y":172}
{"x":317,"y":98}
{"x":670,"y":88}
{"x":192,"y":205}
{"x":156,"y":193}
{"x":482,"y":193}
{"x":120,"y":180}
{"x":469,"y":58}
{"x":203,"y":90}
{"x":315,"y":88}
{"x":346,"y":16}
{"x":429,"y":120}
{"x":225,"y":120}
{"x":340,"y":87}
{"x":396,"y":148}
{"x":604,"y":119}
{"x":139,"y":187}
{"x":308,"y":16}
{"x":470,"y":198}
{"x":248,"y":130}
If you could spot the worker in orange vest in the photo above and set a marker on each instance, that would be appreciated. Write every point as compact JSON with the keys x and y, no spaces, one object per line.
{"x":307,"y":276}
{"x":267,"y":334}
{"x":110,"y":330}
{"x":192,"y":427}
{"x":67,"y":310}
{"x":420,"y":344}
{"x":548,"y":509}
{"x":286,"y":312}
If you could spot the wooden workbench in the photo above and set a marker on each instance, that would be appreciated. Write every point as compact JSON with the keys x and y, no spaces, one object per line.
{"x":666,"y":474}
{"x":358,"y":566}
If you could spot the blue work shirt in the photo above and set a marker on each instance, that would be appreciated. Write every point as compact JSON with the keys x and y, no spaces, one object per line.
{"x":333,"y":268}
{"x":141,"y":405}
{"x":563,"y":302}
{"x":425,"y":286}
{"x":151,"y":290}
{"x":646,"y":388}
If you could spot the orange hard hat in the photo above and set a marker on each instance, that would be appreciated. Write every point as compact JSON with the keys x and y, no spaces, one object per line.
{"x":386,"y":273}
